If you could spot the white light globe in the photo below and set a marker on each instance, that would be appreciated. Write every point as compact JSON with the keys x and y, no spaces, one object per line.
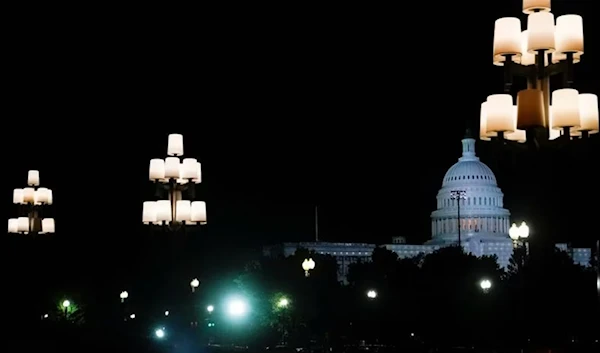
{"x":237,"y":308}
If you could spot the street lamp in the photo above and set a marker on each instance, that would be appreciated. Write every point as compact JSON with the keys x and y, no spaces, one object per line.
{"x":308,"y":265}
{"x":195,"y":283}
{"x":31,"y":201}
{"x":210,"y":309}
{"x":458,"y":195}
{"x":124,"y":295}
{"x":283,"y":303}
{"x":519,"y":234}
{"x":237,"y":308}
{"x":66,"y":304}
{"x":372,"y":294}
{"x":160,"y":333}
{"x":485,"y":285}
{"x":174,"y":177}
{"x":546,"y":48}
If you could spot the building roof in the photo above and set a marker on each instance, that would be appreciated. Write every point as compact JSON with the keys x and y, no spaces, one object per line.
{"x":469,"y":170}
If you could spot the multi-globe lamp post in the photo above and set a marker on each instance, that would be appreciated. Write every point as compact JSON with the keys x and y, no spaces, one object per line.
{"x":124,"y":295}
{"x":547,"y":47}
{"x":308,"y":265}
{"x":31,"y":201}
{"x":173,"y":178}
{"x":459,"y":196}
{"x":485,"y":285}
{"x":519,"y":234}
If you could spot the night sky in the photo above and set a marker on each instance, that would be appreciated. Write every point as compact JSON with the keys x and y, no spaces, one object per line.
{"x":358,"y":110}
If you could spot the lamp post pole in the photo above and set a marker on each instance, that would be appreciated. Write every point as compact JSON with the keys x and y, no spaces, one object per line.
{"x":124,"y":295}
{"x":458,"y":195}
{"x":519,"y":235}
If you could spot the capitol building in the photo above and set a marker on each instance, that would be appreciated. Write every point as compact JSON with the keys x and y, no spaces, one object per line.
{"x":480,"y":221}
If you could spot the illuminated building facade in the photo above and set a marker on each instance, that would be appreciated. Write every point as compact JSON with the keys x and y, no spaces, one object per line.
{"x":483,"y":220}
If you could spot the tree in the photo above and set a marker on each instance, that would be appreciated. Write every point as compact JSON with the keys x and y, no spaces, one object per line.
{"x":266,"y":280}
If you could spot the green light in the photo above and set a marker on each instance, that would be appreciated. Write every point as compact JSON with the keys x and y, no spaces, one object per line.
{"x":211,"y":324}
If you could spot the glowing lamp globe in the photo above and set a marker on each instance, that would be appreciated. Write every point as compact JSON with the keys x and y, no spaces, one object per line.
{"x":283,"y":303}
{"x":513,"y":232}
{"x":524,"y":230}
{"x":308,"y":264}
{"x":237,"y":308}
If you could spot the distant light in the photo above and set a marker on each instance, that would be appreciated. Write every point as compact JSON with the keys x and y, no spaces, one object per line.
{"x":210,"y":308}
{"x":237,"y":308}
{"x":132,"y":316}
{"x":283,"y":303}
{"x":167,"y":313}
{"x":45,"y":316}
{"x":485,"y":285}
{"x":160,"y":333}
{"x":66,"y":304}
{"x":372,"y":294}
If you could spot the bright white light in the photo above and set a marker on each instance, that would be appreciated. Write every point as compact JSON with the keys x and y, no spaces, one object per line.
{"x":210,"y":308}
{"x":195,"y":283}
{"x":372,"y":294}
{"x":66,"y":304}
{"x":124,"y":295}
{"x":485,"y":284}
{"x":132,"y":316}
{"x":160,"y":333}
{"x":237,"y":308}
{"x":167,"y":313}
{"x":283,"y":303}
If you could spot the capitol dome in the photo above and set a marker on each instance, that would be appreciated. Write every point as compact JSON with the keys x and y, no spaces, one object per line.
{"x":481,"y":213}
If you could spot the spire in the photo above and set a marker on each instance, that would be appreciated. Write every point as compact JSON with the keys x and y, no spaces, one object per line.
{"x":468,"y":145}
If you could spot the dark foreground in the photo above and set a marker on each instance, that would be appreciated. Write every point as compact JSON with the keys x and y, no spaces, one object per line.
{"x":66,"y":343}
{"x":68,"y":338}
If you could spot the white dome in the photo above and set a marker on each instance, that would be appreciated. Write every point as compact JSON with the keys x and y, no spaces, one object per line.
{"x":469,"y":170}
{"x":481,"y":211}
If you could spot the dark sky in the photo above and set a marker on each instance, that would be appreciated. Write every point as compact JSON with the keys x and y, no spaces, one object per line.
{"x":357,"y":109}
